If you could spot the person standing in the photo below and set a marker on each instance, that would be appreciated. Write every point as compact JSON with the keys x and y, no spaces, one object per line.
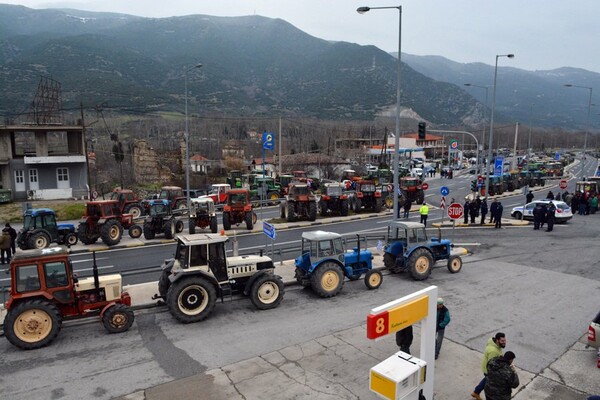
{"x":443,"y":319}
{"x":498,"y":217}
{"x":529,"y":197}
{"x":538,"y":215}
{"x":424,"y":211}
{"x":493,"y":210}
{"x":550,"y":195}
{"x":13,"y":237}
{"x":575,"y":203}
{"x":466,"y":211}
{"x":550,"y":214}
{"x":493,"y":349}
{"x":5,"y":247}
{"x":407,"y":206}
{"x":474,"y":210}
{"x":594,"y":204}
{"x":404,"y":338}
{"x":502,"y":377}
{"x":484,"y":211}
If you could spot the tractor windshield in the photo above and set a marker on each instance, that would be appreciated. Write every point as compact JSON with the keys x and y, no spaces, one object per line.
{"x":367,"y":188}
{"x":299,"y":191}
{"x":159,"y":209}
{"x":334,"y":191}
{"x":236,"y":199}
{"x":28,"y":222}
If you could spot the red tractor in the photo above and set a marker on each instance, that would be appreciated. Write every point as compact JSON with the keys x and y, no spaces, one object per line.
{"x":367,"y":197}
{"x":44,"y":292}
{"x":411,"y":188}
{"x":103,"y":219}
{"x":128,"y":202}
{"x":238,"y":209}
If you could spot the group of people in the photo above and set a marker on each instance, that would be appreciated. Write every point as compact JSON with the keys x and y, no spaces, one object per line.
{"x":8,"y":241}
{"x":582,"y":203}
{"x":473,"y":208}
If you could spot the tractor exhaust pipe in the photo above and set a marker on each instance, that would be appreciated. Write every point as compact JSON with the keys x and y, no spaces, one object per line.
{"x":95,"y":271}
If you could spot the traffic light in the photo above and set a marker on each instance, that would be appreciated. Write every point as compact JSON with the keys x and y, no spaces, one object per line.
{"x":473,"y":186}
{"x":422,"y":128}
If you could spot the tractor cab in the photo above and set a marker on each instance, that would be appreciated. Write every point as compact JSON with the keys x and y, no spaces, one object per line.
{"x":160,"y":207}
{"x":319,"y":245}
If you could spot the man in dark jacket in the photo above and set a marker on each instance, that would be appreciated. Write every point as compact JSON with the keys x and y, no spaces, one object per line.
{"x":538,"y":216}
{"x":474,"y":210}
{"x":529,"y":197}
{"x":466,"y":210}
{"x":404,"y":338}
{"x":13,"y":236}
{"x":443,"y":319}
{"x":498,"y":216}
{"x":550,"y":214}
{"x":484,"y":211}
{"x":493,"y":210}
{"x":501,"y":378}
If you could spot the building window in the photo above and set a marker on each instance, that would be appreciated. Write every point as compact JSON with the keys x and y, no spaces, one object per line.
{"x":33,"y":175}
{"x":62,"y":174}
{"x":19,"y":176}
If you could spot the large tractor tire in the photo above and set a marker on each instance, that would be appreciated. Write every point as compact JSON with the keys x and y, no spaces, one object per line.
{"x":83,"y":233}
{"x":164,"y":282}
{"x":191,"y":299}
{"x":312,"y":211}
{"x":323,"y":208}
{"x":71,"y":239}
{"x":134,"y":209}
{"x":373,"y":279}
{"x":32,"y":324}
{"x":249,"y":221}
{"x":213,"y":225}
{"x":327,"y":280}
{"x":344,"y":208}
{"x":111,"y":232}
{"x":291,"y":211}
{"x":357,"y":205}
{"x":378,"y":204}
{"x":420,"y":197}
{"x":192,"y":226}
{"x":392,"y":263}
{"x":135,"y":231}
{"x":148,"y":231}
{"x":267,"y":291}
{"x":226,"y":221}
{"x":420,"y":264}
{"x":179,"y":226}
{"x":282,"y":209}
{"x":454,"y":264}
{"x":38,"y":240}
{"x":118,"y":318}
{"x":169,"y":229}
{"x":274,"y":197}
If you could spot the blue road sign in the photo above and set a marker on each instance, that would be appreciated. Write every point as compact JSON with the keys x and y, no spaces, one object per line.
{"x":499,"y":165}
{"x":444,"y":190}
{"x":269,"y":230}
{"x":557,"y":156}
{"x":268,"y":141}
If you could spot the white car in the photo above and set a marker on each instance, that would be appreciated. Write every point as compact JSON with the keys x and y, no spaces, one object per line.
{"x":563,"y":210}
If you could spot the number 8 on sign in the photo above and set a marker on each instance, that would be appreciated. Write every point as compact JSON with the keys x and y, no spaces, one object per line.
{"x":378,"y":325}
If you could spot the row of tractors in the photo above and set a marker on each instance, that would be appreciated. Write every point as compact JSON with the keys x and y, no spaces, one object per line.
{"x":45,"y":291}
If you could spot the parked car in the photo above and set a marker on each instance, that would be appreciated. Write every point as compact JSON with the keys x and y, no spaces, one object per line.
{"x":563,"y":210}
{"x":593,"y":336}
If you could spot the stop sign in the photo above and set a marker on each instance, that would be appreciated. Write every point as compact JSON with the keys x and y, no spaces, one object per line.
{"x":563,"y":184}
{"x":425,"y":186}
{"x":455,"y":211}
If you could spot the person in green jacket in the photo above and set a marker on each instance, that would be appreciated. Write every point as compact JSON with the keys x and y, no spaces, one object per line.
{"x":493,"y":349}
{"x":424,"y":211}
{"x":593,"y":204}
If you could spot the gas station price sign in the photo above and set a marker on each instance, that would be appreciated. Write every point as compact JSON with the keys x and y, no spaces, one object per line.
{"x":396,"y":317}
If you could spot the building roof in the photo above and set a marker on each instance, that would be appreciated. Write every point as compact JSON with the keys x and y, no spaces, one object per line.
{"x":428,"y":137}
{"x":198,"y":157}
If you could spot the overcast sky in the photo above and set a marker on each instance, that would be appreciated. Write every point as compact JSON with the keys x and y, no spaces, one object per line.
{"x":543,"y":34}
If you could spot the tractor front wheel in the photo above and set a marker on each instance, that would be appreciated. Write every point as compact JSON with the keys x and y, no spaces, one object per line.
{"x":191,"y":299}
{"x":169,"y":229}
{"x":420,"y":263}
{"x":32,"y":324}
{"x":192,"y":226}
{"x":226,"y":221}
{"x":267,"y":292}
{"x":213,"y":224}
{"x":148,"y":232}
{"x":312,"y":211}
{"x":135,"y":231}
{"x":118,"y":318}
{"x":111,"y":232}
{"x":327,"y":280}
{"x":178,"y":226}
{"x":249,"y":221}
{"x":373,"y":279}
{"x":344,"y":208}
{"x":454,"y":264}
{"x":71,"y":239}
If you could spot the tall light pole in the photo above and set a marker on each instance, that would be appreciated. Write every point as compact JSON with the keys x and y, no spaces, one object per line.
{"x":491,"y":142}
{"x":187,"y":139}
{"x":587,"y":126}
{"x":484,"y":113}
{"x":395,"y":161}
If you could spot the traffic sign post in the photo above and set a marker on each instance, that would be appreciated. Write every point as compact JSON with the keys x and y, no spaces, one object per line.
{"x":444,"y":190}
{"x":425,"y":185}
{"x":455,"y":211}
{"x":563,"y":184}
{"x":269,"y":230}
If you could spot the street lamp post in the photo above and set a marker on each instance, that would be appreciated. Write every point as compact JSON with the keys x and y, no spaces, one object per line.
{"x":395,"y":160}
{"x":484,"y":113}
{"x":491,"y":142}
{"x":587,"y":127}
{"x":187,"y":140}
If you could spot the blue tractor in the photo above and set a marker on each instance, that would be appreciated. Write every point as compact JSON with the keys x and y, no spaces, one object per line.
{"x":324,"y":263}
{"x":40,"y":229}
{"x":408,"y":249}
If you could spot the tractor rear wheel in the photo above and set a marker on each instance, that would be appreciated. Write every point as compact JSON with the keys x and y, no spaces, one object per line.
{"x":213,"y":225}
{"x":134,"y":209}
{"x":357,"y":205}
{"x":226,"y":221}
{"x":84,"y":234}
{"x":267,"y":292}
{"x":420,"y":263}
{"x":377,"y":205}
{"x":71,"y":239}
{"x":323,"y":208}
{"x":248,"y":219}
{"x":178,"y":226}
{"x":192,"y":225}
{"x":344,"y":208}
{"x":39,"y":240}
{"x":312,"y":211}
{"x":454,"y":264}
{"x":191,"y":299}
{"x":169,"y":229}
{"x":149,"y":232}
{"x":32,"y":324}
{"x":118,"y":318}
{"x":291,"y":211}
{"x":135,"y":231}
{"x":111,"y":232}
{"x":373,"y":279}
{"x":327,"y":280}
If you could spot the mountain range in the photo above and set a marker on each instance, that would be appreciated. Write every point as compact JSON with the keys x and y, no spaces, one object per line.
{"x":257,"y":66}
